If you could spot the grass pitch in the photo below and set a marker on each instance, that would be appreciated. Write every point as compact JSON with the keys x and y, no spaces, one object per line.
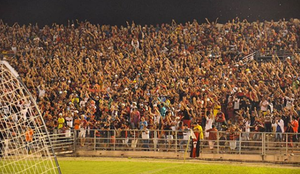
{"x":165,"y":166}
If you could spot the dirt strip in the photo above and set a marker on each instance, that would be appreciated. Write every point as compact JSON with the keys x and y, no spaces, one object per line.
{"x":194,"y":161}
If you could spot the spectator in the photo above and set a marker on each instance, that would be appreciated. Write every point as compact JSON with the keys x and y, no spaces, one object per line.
{"x":145,"y":138}
{"x":268,"y":122}
{"x":213,"y":136}
{"x":258,"y":128}
{"x":232,"y":137}
{"x":61,"y":122}
{"x":290,"y":135}
{"x":208,"y":125}
{"x":77,"y":122}
{"x":29,"y":138}
{"x":247,"y":126}
{"x":183,"y":134}
{"x":198,"y":135}
{"x":143,"y":123}
{"x":82,"y":128}
{"x":186,"y":69}
{"x":222,"y":142}
{"x":279,"y":125}
{"x":295,"y":125}
{"x":220,"y":120}
{"x":264,"y":105}
{"x":69,"y":119}
{"x":135,"y":118}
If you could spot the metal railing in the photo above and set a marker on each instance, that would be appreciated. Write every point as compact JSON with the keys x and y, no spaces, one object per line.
{"x":63,"y":142}
{"x":267,"y":55}
{"x":256,"y":143}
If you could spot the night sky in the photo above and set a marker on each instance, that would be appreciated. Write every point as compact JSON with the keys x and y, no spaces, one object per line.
{"x":117,"y":12}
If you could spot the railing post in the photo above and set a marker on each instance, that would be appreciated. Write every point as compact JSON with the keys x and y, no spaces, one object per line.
{"x":263,"y":144}
{"x":267,"y":144}
{"x":95,"y":140}
{"x":134,"y":142}
{"x":240,"y":142}
{"x":155,"y":140}
{"x":74,"y":139}
{"x":176,"y":141}
{"x":218,"y":146}
{"x":114,"y":140}
{"x":286,"y":143}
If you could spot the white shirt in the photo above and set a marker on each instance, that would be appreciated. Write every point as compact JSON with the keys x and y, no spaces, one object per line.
{"x":24,"y":109}
{"x":156,"y":119}
{"x":114,"y":114}
{"x":14,"y":49}
{"x":236,"y":104}
{"x":135,"y":44}
{"x":41,"y":92}
{"x":186,"y":134}
{"x":69,"y":121}
{"x":6,"y":110}
{"x":264,"y":105}
{"x":289,"y":102}
{"x":247,"y":126}
{"x":145,"y":134}
{"x":281,"y":124}
{"x":209,"y":123}
{"x":68,"y":133}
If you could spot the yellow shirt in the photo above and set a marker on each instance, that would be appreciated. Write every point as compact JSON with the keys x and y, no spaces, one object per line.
{"x":75,"y":100}
{"x":61,"y":122}
{"x":199,"y":129}
{"x":216,"y":109}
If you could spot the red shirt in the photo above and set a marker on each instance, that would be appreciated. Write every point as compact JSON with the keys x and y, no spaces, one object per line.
{"x":220,"y":117}
{"x":212,"y":133}
{"x":83,"y":124}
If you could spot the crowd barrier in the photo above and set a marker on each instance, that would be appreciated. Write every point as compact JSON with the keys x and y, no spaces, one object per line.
{"x":257,"y":143}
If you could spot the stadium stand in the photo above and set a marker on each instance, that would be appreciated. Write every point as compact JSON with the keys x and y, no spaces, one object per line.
{"x":239,"y":76}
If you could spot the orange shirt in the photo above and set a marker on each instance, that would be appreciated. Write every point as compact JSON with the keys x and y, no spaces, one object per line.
{"x":28,"y":135}
{"x":295,"y":125}
{"x":76,"y":124}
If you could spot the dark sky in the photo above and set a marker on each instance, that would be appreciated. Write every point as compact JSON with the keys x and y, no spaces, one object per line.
{"x":117,"y":12}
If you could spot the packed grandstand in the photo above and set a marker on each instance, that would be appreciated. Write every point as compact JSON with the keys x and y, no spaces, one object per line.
{"x":161,"y":77}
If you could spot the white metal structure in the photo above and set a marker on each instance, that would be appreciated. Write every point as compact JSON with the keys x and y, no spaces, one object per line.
{"x":25,"y":146}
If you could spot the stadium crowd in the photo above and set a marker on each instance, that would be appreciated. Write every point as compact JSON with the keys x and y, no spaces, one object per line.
{"x":161,"y":77}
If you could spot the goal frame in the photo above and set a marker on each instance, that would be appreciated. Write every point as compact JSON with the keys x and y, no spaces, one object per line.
{"x":16,"y":76}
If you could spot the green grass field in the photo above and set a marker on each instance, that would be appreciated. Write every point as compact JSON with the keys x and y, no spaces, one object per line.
{"x":163,"y":166}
